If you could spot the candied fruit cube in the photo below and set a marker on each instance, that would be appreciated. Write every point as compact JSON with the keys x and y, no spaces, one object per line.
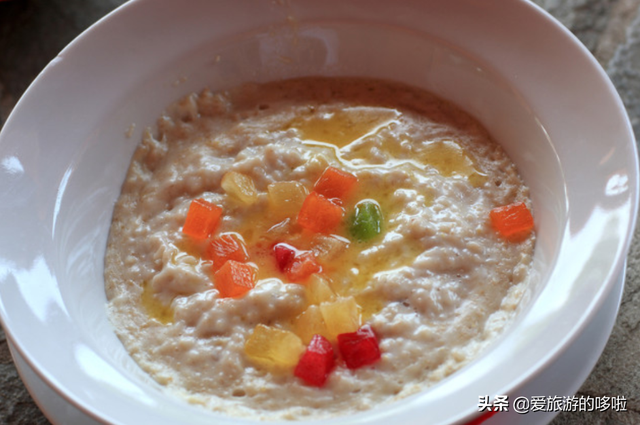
{"x":273,"y":348}
{"x":310,"y":323}
{"x":202,"y":219}
{"x":296,"y":264}
{"x":318,"y":214}
{"x":341,"y":316}
{"x":226,"y":247}
{"x":316,"y":363}
{"x":284,"y":254}
{"x":366,"y":222}
{"x":335,"y":183}
{"x":235,"y":279}
{"x":281,"y":230}
{"x":240,"y":187}
{"x":286,"y":198}
{"x":302,"y":266}
{"x":318,"y":290}
{"x":359,"y":348}
{"x":514,"y":222}
{"x":328,"y":248}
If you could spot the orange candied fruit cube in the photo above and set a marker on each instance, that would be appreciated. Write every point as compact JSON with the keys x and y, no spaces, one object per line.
{"x":335,"y":183}
{"x":202,"y":219}
{"x":227,"y":246}
{"x":318,"y":214}
{"x":513,"y":222}
{"x":234,"y":279}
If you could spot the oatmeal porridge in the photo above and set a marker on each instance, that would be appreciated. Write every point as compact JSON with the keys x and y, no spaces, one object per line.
{"x":314,"y":247}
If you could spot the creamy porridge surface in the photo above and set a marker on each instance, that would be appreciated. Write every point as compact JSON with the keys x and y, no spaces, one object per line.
{"x":437,"y":285}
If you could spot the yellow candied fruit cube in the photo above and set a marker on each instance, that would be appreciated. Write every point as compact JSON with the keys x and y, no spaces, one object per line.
{"x":240,"y":187}
{"x":273,"y":348}
{"x":310,"y":323}
{"x":286,"y":198}
{"x":318,"y":290}
{"x":282,"y":230}
{"x":329,"y":248}
{"x":341,"y":316}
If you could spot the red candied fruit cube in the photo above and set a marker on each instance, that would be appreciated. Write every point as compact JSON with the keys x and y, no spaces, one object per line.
{"x":234,"y":279}
{"x":302,"y":266}
{"x":359,"y":348}
{"x":202,"y":219}
{"x":335,"y":183}
{"x":318,"y":214}
{"x":284,"y":255}
{"x":296,"y":264}
{"x":513,"y":222}
{"x":227,"y":247}
{"x":316,"y":363}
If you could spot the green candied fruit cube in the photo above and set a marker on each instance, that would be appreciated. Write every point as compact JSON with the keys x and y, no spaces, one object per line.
{"x":366,"y":222}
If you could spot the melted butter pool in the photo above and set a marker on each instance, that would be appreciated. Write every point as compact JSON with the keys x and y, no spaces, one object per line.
{"x":154,"y":307}
{"x":345,"y":126}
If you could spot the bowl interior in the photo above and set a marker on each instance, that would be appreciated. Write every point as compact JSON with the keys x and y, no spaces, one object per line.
{"x":560,"y":121}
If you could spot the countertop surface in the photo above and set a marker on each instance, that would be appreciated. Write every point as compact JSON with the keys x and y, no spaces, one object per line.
{"x":32,"y":32}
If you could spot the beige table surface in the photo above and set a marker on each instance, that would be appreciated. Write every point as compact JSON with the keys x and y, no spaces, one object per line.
{"x":32,"y":32}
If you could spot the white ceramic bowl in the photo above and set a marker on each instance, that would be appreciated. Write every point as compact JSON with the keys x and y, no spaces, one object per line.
{"x":64,"y":154}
